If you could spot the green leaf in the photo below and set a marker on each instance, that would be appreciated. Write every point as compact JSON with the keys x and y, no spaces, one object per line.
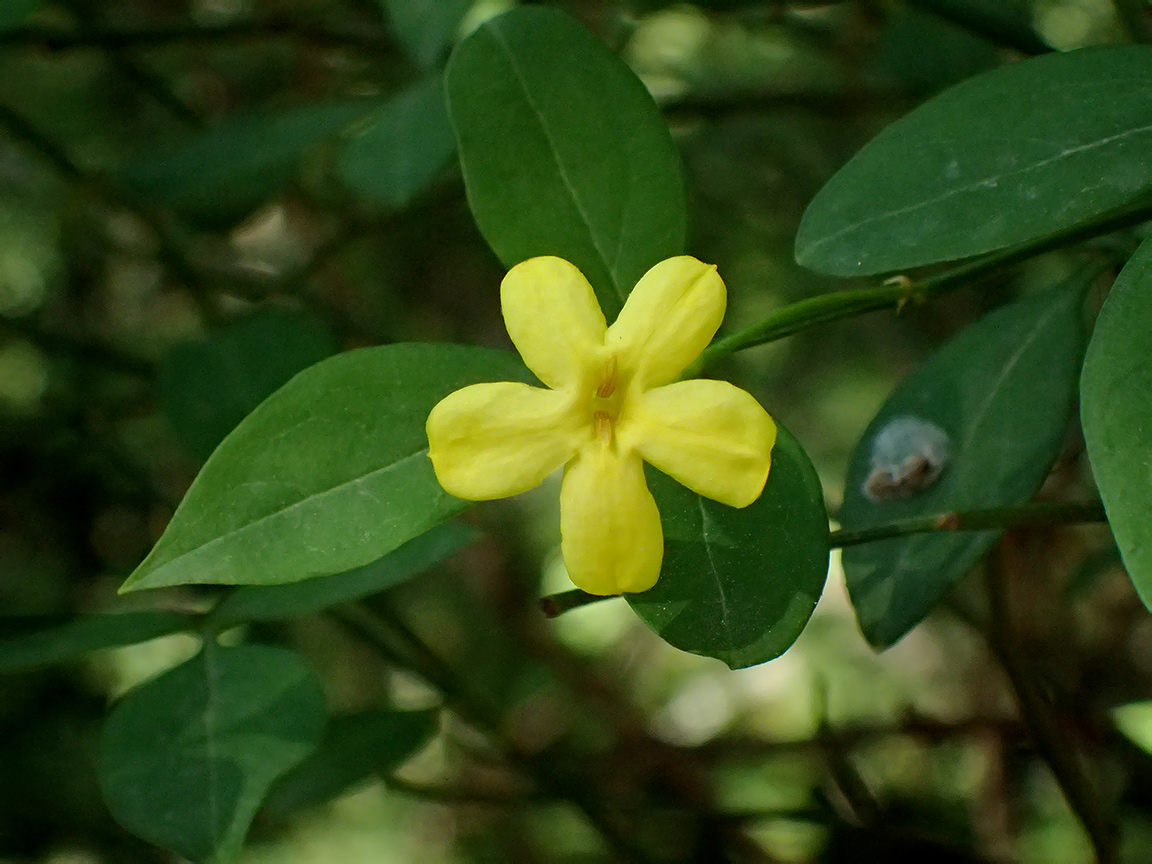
{"x":273,"y":602}
{"x":426,"y":27}
{"x":1003,"y":392}
{"x":1010,"y":157}
{"x":1116,"y":395}
{"x":59,"y":644}
{"x":219,"y":176}
{"x":355,"y":747}
{"x":186,"y":758}
{"x":330,"y":473}
{"x":13,"y":12}
{"x":208,"y":386}
{"x":564,"y":152}
{"x":399,"y":149}
{"x":740,"y":585}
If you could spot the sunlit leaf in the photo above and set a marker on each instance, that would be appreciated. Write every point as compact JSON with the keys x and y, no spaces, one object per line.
{"x":330,"y":473}
{"x":739,"y":585}
{"x":1116,"y":410}
{"x":1001,"y":394}
{"x":1013,"y":156}
{"x":564,"y":152}
{"x":186,"y":758}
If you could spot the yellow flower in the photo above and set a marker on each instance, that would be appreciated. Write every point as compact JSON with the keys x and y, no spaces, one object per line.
{"x":614,"y":403}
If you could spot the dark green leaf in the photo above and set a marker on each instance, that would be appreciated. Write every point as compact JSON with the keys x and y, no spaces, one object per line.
{"x":397,"y":151}
{"x":739,"y":585}
{"x":330,"y":473}
{"x":426,"y":27}
{"x":208,"y":386}
{"x":1010,"y":157}
{"x":219,"y":176}
{"x":1003,"y":393}
{"x":80,"y":636}
{"x":1116,"y":410}
{"x":186,"y":758}
{"x":355,"y":747}
{"x":1005,"y":22}
{"x":272,"y":602}
{"x":13,"y":12}
{"x":564,"y":152}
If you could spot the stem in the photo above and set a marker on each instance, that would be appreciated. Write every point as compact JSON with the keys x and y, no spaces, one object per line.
{"x":1023,"y":516}
{"x":899,"y":292}
{"x":555,"y":605}
{"x":1038,"y":714}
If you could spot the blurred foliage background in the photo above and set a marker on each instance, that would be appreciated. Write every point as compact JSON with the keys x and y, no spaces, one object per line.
{"x":157,"y":280}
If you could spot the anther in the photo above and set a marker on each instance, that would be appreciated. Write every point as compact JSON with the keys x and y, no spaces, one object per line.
{"x":608,"y":379}
{"x":603,"y":427}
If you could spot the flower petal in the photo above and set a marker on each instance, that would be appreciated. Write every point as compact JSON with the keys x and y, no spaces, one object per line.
{"x":669,"y":318}
{"x":711,"y":436}
{"x":553,"y":318}
{"x":494,"y":440}
{"x":609,"y":525}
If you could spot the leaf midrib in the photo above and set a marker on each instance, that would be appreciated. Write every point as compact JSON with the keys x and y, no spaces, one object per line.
{"x":306,"y":501}
{"x":988,"y":182}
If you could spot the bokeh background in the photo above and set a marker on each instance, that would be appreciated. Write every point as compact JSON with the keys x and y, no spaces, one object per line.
{"x":144,"y":313}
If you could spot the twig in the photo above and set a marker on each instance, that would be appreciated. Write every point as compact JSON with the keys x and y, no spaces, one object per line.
{"x":1024,"y":516}
{"x":899,"y":292}
{"x":555,"y":605}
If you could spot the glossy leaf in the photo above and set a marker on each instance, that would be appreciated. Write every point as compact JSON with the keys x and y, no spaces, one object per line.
{"x":219,"y":176}
{"x":208,"y":386}
{"x":564,"y":152}
{"x":740,"y":585}
{"x":426,"y":27}
{"x":330,"y":473}
{"x":1003,"y":392}
{"x":1116,"y":410}
{"x":399,"y":149}
{"x":273,"y":602}
{"x":1009,"y":157}
{"x":74,"y":639}
{"x":186,"y":758}
{"x":355,"y":747}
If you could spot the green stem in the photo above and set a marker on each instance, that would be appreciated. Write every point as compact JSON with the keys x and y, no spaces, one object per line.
{"x":900,"y":292}
{"x":1024,"y":516}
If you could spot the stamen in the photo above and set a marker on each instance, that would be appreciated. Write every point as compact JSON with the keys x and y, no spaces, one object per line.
{"x":603,"y":427}
{"x":608,"y":379}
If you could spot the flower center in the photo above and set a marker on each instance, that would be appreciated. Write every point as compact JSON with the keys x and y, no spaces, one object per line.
{"x":606,"y":402}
